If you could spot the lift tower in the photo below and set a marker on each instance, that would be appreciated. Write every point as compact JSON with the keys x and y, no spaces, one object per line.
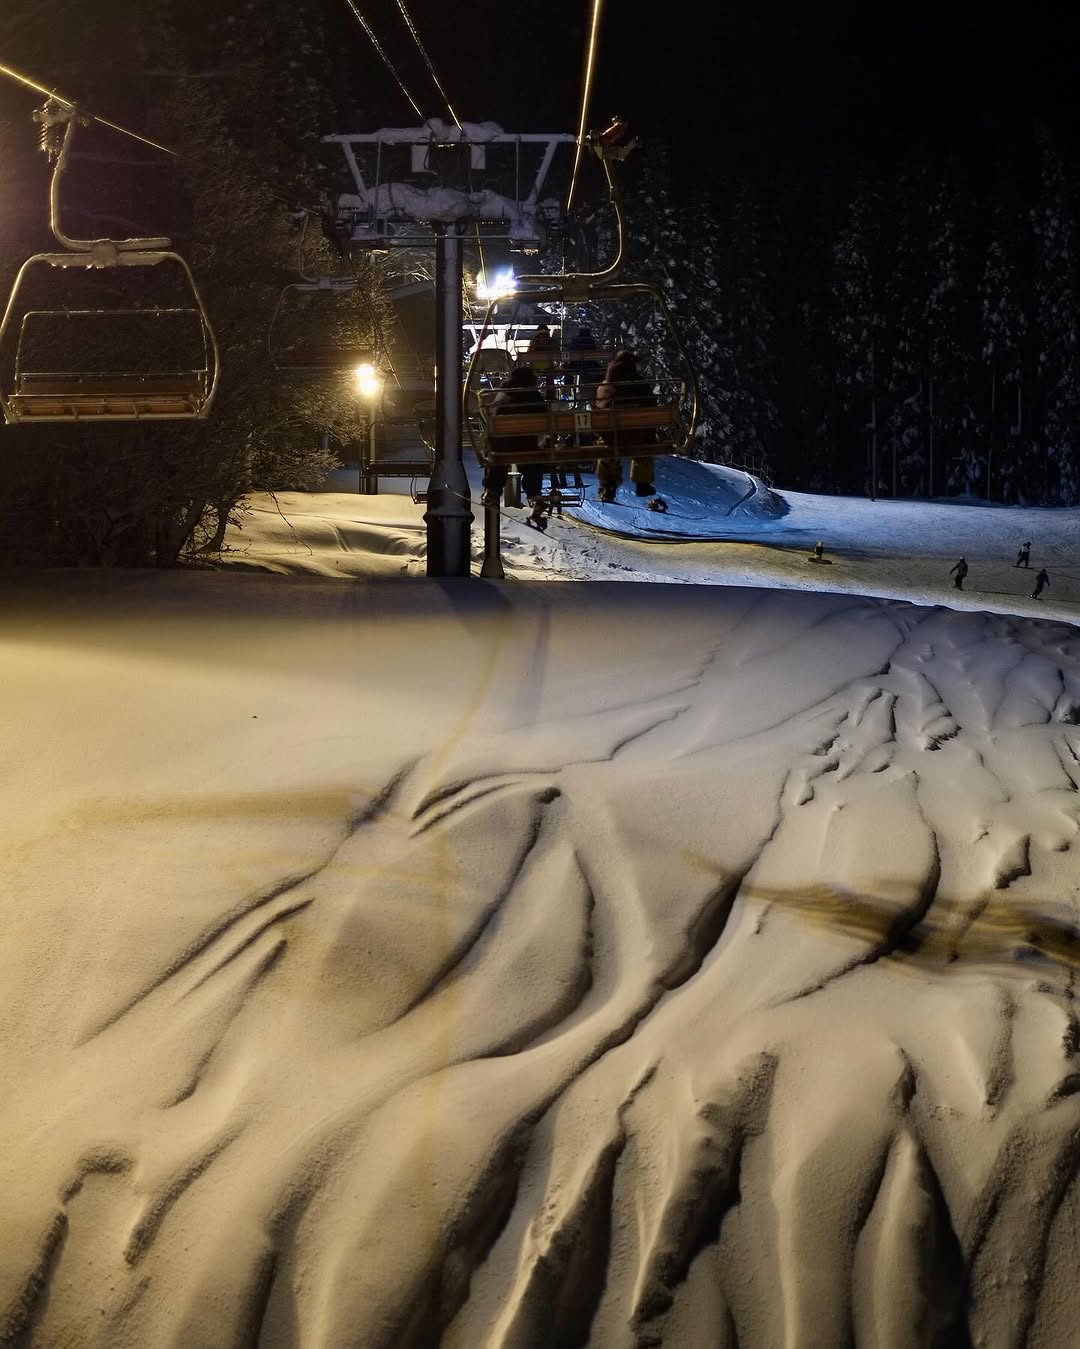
{"x":434,"y":186}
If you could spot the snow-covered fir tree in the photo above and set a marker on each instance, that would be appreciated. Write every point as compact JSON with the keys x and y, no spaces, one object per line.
{"x":856,"y":334}
{"x":955,"y":432}
{"x":747,"y":337}
{"x":1055,"y":303}
{"x":904,"y":363}
{"x":705,"y":328}
{"x":1003,"y":329}
{"x":656,"y":252}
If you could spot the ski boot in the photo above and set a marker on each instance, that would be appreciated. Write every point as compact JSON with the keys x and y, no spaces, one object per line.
{"x":537,"y":517}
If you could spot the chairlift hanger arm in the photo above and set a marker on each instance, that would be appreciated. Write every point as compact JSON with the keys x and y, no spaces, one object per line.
{"x":105,"y":252}
{"x":611,"y":271}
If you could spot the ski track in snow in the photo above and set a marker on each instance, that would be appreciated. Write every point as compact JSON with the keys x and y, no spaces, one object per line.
{"x":681,"y":1003}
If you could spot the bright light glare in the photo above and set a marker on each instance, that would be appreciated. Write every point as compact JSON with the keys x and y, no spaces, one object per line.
{"x":368,"y":381}
{"x":502,"y":283}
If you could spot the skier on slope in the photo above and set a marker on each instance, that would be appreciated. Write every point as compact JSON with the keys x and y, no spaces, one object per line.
{"x":1023,"y":557}
{"x":959,"y":571}
{"x":1042,"y":580}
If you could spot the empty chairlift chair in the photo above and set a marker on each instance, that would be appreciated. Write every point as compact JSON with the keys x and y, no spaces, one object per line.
{"x":292,"y":347}
{"x":55,"y":381}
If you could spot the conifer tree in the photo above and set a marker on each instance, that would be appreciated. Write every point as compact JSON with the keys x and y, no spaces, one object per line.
{"x":1003,"y":326}
{"x":905,"y":347}
{"x":1055,"y":305}
{"x":855,"y":326}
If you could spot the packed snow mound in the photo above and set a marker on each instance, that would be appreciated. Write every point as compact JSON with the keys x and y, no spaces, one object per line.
{"x":456,"y":964}
{"x":699,"y":499}
{"x":328,"y":534}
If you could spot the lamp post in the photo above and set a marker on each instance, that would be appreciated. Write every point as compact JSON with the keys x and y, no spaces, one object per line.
{"x":369,"y":387}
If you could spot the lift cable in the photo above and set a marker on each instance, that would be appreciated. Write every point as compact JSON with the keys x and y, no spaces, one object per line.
{"x":386,"y":60}
{"x":427,"y":61}
{"x":592,"y":43}
{"x":74,"y":107}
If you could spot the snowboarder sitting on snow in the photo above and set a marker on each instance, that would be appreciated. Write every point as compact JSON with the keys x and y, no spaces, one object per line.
{"x":623,"y":386}
{"x":1042,"y":580}
{"x":517,"y":393}
{"x":1023,"y":558}
{"x":960,"y":571}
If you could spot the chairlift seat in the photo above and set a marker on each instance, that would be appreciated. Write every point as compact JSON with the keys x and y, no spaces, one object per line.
{"x":493,"y":360}
{"x":571,"y":356}
{"x":50,"y":397}
{"x":609,"y":423}
{"x":549,"y":359}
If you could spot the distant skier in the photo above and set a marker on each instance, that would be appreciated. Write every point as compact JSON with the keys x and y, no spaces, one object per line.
{"x":1023,"y":558}
{"x":1042,"y":580}
{"x":959,"y":571}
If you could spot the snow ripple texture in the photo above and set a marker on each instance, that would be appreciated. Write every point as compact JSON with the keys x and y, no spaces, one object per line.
{"x":704,"y":978}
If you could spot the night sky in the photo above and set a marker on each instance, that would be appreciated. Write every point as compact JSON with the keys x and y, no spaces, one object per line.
{"x":832,"y":87}
{"x":837,"y":84}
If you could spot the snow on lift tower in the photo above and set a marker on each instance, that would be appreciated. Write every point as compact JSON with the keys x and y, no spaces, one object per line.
{"x":408,"y":179}
{"x":172,"y":377}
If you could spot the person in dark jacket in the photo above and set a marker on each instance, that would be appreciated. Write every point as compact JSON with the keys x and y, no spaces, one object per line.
{"x":623,"y":386}
{"x":1023,"y":557}
{"x":959,"y":571}
{"x":580,"y":360}
{"x":1042,"y":580}
{"x":543,"y":351}
{"x":517,"y":393}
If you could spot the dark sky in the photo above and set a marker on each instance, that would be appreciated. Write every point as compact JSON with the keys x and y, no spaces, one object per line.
{"x":756,"y":81}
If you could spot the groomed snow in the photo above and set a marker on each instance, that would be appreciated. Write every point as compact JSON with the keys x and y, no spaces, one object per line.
{"x":392,"y":962}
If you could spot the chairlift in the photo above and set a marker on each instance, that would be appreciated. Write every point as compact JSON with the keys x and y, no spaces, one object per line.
{"x":301,"y":355}
{"x":570,"y":428}
{"x":486,"y":373}
{"x":36,"y":390}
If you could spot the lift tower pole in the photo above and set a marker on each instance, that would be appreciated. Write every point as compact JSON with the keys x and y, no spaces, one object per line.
{"x":449,"y":515}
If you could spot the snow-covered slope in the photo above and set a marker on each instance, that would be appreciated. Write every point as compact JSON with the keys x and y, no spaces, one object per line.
{"x":729,"y":530}
{"x":389,"y":964}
